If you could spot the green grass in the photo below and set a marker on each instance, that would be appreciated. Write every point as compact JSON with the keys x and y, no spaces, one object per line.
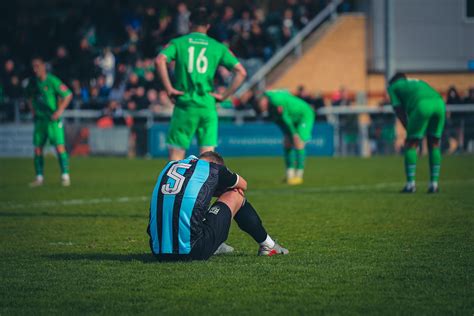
{"x":356,"y":245}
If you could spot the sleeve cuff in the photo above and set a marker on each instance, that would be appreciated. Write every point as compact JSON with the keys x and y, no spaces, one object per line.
{"x":236,"y":182}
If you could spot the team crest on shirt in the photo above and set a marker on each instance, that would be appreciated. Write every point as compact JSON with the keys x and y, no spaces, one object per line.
{"x":45,"y":88}
{"x":214,"y":210}
{"x":63,"y":87}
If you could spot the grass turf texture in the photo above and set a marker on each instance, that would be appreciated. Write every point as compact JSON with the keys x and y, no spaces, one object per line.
{"x":356,"y":245}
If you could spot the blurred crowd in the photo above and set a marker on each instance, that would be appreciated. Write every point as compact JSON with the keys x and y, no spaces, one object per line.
{"x":104,"y":51}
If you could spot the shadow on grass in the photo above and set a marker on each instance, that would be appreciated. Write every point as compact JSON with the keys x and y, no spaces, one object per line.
{"x":46,"y":214}
{"x":141,"y":257}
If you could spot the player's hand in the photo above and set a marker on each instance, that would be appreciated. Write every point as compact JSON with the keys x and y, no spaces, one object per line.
{"x":173,"y":92}
{"x":219,"y":97}
{"x":56,"y":115}
{"x":240,"y":191}
{"x":297,"y":140}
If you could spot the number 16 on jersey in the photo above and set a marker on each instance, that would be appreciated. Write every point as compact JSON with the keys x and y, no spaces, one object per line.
{"x":201,"y":61}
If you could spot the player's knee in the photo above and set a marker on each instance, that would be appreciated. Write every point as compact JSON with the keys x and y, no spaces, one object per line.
{"x":412,"y":143}
{"x":433,"y":142}
{"x":233,"y":199}
{"x":60,"y":149}
{"x":38,"y":151}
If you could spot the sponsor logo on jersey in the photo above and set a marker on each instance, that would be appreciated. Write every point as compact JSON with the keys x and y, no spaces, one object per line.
{"x":214,"y":210}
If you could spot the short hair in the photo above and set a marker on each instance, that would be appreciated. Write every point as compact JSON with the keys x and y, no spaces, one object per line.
{"x":37,"y":57}
{"x":396,"y":77}
{"x":212,"y":156}
{"x":200,"y":17}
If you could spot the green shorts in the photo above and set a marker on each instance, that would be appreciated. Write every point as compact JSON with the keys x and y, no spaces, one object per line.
{"x":304,"y":127}
{"x":427,"y":118}
{"x":185,"y":123}
{"x":48,"y":130}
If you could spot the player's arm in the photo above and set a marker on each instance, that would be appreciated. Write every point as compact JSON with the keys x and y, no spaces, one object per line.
{"x":397,"y":106}
{"x":229,"y":180}
{"x":168,"y":54}
{"x":231,"y":62}
{"x":402,"y":115}
{"x":288,"y":125}
{"x":239,"y":76}
{"x":65,"y":97}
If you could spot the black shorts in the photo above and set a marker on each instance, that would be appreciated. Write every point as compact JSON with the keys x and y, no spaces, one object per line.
{"x":215,"y":229}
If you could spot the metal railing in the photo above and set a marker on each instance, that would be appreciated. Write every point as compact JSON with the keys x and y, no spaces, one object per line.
{"x":295,"y":44}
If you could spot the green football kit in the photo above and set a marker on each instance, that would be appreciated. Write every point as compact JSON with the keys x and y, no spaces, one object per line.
{"x":294,"y":116}
{"x":424,"y":107}
{"x":44,"y":97}
{"x":197,"y":57}
{"x":426,"y":113}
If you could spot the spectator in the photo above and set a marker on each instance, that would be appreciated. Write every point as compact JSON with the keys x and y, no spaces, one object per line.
{"x":85,"y":63}
{"x":453,"y":96}
{"x":288,"y":28}
{"x":341,"y":97}
{"x":182,"y":19}
{"x":106,"y":63}
{"x":62,"y":64}
{"x":469,"y":99}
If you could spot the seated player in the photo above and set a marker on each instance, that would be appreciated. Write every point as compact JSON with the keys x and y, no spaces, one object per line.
{"x":295,"y":118}
{"x":182,"y":226}
{"x":421,"y":110}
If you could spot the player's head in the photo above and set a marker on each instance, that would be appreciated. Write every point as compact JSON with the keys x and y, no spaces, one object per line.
{"x":396,"y":77}
{"x":263,"y":103}
{"x":212,"y":156}
{"x":200,"y":18}
{"x":39,"y":66}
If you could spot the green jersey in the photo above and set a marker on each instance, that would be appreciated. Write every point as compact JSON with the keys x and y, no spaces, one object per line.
{"x":408,"y":93}
{"x":44,"y":95}
{"x":197,"y":57}
{"x":287,"y":109}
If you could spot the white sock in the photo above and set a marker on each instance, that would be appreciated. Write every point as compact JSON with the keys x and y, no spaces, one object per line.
{"x":268,"y":242}
{"x":434,"y":184}
{"x":65,"y":176}
{"x":410,"y":184}
{"x":299,"y":173}
{"x":290,"y":173}
{"x":39,"y":178}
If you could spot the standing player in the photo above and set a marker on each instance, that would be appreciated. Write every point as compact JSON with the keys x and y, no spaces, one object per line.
{"x":422,"y":111}
{"x":183,"y":227}
{"x":47,"y":98}
{"x":295,"y":118}
{"x":197,"y":57}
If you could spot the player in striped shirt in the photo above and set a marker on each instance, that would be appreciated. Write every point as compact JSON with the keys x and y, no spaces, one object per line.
{"x":182,"y":226}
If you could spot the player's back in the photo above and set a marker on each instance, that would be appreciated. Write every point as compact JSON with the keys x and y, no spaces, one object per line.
{"x":290,"y":103}
{"x":411,"y":92}
{"x":197,"y":57}
{"x":181,"y":195}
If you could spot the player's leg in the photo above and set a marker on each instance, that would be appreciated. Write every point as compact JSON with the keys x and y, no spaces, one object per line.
{"x":305,"y":131}
{"x":216,"y":224}
{"x":290,"y":157}
{"x":180,"y":133}
{"x":416,"y":128}
{"x":249,"y":221}
{"x":206,"y":132}
{"x":435,"y":131}
{"x":40,"y":136}
{"x":56,"y":137}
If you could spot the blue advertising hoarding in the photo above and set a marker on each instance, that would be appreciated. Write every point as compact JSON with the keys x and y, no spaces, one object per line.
{"x":250,"y":139}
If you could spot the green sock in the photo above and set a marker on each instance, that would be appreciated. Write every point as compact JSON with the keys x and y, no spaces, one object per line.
{"x":63,"y":162}
{"x":435,"y":163}
{"x":39,"y":164}
{"x":410,"y":164}
{"x":300,"y":158}
{"x":290,"y":157}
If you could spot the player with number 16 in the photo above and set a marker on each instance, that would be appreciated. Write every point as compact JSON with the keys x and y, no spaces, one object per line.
{"x":197,"y":57}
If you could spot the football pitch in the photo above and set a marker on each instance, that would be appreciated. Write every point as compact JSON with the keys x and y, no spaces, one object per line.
{"x":356,"y":245}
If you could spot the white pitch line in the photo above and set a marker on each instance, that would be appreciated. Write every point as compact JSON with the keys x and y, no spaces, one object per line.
{"x":268,"y":191}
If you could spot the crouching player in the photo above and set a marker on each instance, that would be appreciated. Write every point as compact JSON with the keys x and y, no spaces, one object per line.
{"x":421,"y":110}
{"x":295,"y":118}
{"x":183,"y":227}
